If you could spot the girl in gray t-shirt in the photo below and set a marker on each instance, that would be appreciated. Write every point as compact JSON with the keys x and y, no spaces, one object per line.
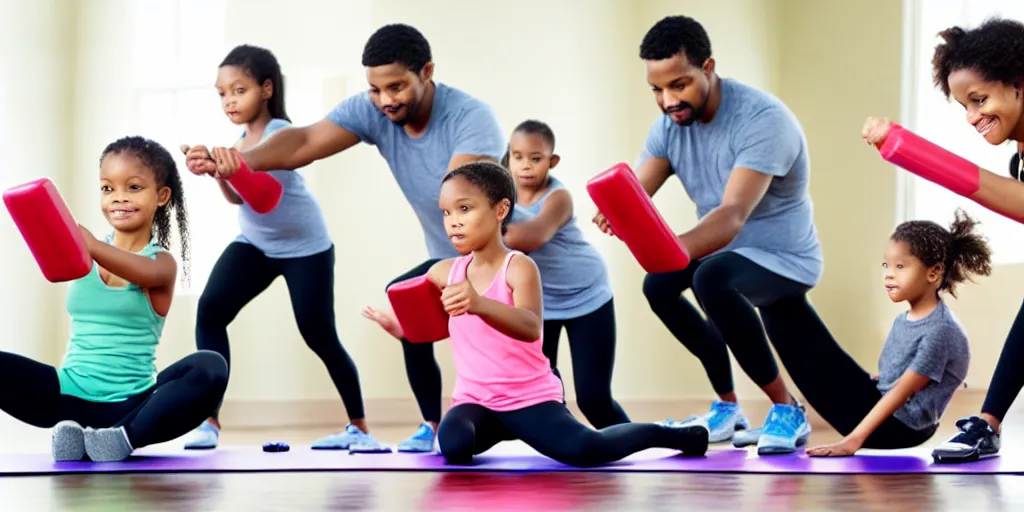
{"x":925,"y":357}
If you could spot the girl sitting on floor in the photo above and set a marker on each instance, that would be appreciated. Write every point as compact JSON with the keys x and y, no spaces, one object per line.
{"x":924,"y":359}
{"x":107,"y":399}
{"x":504,"y":386}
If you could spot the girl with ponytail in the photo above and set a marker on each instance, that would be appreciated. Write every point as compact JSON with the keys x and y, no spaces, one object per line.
{"x":292,"y":242}
{"x":925,"y":356}
{"x":982,"y":69}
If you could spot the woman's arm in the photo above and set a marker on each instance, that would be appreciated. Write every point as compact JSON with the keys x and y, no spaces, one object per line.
{"x":530,"y":235}
{"x":143,"y":271}
{"x":1000,"y":194}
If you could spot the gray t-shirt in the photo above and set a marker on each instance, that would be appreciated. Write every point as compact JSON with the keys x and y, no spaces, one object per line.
{"x":754,"y":130}
{"x":934,"y":346}
{"x":459,"y":124}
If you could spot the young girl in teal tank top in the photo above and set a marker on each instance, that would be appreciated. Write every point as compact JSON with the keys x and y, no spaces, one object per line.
{"x":102,"y":401}
{"x":577,"y":291}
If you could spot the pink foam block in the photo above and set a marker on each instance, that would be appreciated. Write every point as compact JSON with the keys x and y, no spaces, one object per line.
{"x":49,"y":230}
{"x":632,"y":215}
{"x":260,"y":190}
{"x":417,"y":306}
{"x":926,"y":159}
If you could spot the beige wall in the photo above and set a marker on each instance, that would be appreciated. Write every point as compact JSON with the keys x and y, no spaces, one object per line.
{"x":576,"y":68}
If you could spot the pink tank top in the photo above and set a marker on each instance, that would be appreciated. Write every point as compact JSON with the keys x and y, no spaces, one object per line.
{"x":492,"y":369}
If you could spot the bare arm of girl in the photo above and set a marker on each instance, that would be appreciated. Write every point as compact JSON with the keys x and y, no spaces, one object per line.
{"x":147,"y":273}
{"x":909,"y":383}
{"x":531,"y":235}
{"x":225,"y":188}
{"x":523,"y":320}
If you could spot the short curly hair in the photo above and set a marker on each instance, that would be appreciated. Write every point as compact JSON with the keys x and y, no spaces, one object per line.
{"x":675,"y":34}
{"x":493,"y":180}
{"x":397,"y":43}
{"x":994,"y":49}
{"x":962,"y":251}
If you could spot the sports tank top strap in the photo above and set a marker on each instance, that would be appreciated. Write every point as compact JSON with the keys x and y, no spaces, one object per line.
{"x":502,"y":274}
{"x":458,"y":269}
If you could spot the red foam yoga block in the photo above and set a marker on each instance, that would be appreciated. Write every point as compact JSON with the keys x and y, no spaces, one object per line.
{"x":417,"y":306}
{"x":926,"y":159}
{"x":49,"y":230}
{"x":260,"y":190}
{"x":623,"y":201}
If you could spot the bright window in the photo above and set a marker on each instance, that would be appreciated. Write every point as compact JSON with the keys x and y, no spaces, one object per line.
{"x":175,"y":67}
{"x":943,"y":122}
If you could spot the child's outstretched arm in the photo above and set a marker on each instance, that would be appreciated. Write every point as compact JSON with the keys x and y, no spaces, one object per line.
{"x":909,"y":383}
{"x":523,"y":321}
{"x":531,"y":235}
{"x":437,"y":274}
{"x":145,"y":272}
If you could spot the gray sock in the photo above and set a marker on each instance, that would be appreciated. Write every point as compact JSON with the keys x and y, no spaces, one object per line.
{"x":107,"y":444}
{"x":68,"y":441}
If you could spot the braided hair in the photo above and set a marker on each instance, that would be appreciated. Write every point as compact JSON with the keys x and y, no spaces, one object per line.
{"x":157,"y":159}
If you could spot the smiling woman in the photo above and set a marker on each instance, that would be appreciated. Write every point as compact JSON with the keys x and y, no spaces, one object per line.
{"x":947,"y":116}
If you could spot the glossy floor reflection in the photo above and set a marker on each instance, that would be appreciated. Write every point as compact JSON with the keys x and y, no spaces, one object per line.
{"x":519,"y":492}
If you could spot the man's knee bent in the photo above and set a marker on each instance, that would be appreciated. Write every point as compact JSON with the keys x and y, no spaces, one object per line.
{"x":660,"y":288}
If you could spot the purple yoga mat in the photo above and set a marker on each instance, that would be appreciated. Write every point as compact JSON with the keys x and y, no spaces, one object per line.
{"x":512,"y":456}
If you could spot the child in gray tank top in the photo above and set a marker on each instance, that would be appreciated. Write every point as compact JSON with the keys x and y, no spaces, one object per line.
{"x":576,"y":289}
{"x":925,"y":356}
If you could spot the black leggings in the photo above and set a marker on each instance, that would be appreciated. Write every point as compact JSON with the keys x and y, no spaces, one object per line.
{"x":831,"y":381}
{"x":1008,"y":378}
{"x":421,"y":366}
{"x":592,"y":346}
{"x":727,"y":287}
{"x":185,"y":393}
{"x":549,"y":428}
{"x":242,"y":272}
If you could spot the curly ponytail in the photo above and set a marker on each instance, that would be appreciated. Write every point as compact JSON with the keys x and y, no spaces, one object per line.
{"x":156,"y":158}
{"x":961,"y":251}
{"x":968,"y":253}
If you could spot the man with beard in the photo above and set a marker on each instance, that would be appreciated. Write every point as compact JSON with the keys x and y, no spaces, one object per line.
{"x":742,"y":157}
{"x":422,"y":129}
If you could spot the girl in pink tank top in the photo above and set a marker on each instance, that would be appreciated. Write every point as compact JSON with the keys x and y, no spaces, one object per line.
{"x":504,"y":386}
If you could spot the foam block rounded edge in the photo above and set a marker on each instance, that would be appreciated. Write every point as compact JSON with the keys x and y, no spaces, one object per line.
{"x":618,"y":195}
{"x":930,"y":161}
{"x":48,"y":228}
{"x":260,"y":190}
{"x":417,"y":306}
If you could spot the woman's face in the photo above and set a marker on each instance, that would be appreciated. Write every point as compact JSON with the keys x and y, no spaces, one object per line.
{"x":993,"y":108}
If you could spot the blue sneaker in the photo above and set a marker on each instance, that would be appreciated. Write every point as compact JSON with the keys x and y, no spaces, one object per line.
{"x":352,"y":439}
{"x":420,"y":442}
{"x":722,"y":421}
{"x":785,"y":429}
{"x":203,"y":437}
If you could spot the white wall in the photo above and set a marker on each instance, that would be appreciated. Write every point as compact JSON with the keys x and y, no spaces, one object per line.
{"x":35,"y":133}
{"x":577,"y":67}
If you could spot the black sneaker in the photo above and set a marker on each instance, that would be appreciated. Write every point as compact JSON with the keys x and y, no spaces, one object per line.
{"x":976,"y":440}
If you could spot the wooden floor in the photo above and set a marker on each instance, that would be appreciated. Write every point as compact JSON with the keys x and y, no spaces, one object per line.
{"x":483,"y":491}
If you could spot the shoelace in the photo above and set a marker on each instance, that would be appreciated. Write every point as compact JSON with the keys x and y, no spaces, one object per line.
{"x":971,"y":431}
{"x":779,"y":422}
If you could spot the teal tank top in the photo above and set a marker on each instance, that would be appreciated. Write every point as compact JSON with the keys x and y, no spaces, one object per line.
{"x":111,"y":353}
{"x":573,"y":275}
